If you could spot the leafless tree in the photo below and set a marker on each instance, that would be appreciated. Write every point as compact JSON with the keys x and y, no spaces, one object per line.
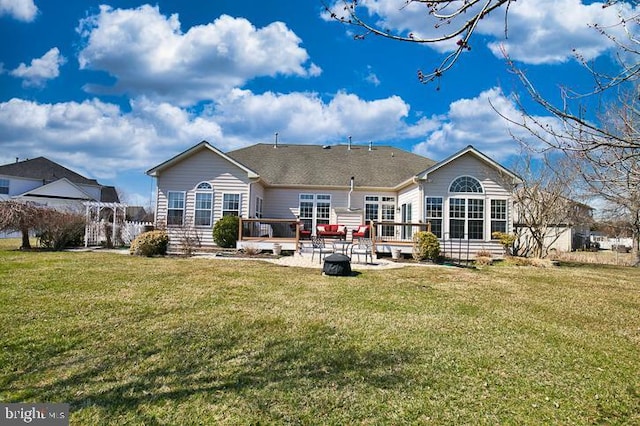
{"x":20,"y":217}
{"x":453,"y":23}
{"x":446,"y":21}
{"x":545,"y":205}
{"x":613,"y":173}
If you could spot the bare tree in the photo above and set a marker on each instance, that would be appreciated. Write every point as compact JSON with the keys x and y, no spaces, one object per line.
{"x":451,"y":25}
{"x":445,"y":22}
{"x":20,"y":217}
{"x":613,"y":173}
{"x":545,"y":205}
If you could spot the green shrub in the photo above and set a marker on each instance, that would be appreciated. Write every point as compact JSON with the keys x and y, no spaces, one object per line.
{"x":425,"y":246}
{"x":225,"y":231}
{"x":151,"y":243}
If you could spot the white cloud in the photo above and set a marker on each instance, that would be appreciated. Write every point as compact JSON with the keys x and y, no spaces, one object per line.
{"x":149,"y":54}
{"x":41,"y":69}
{"x":547,"y":31}
{"x":22,"y":10}
{"x":107,"y":140}
{"x":99,"y":135}
{"x":306,"y":118}
{"x":539,"y":31}
{"x":476,"y":122}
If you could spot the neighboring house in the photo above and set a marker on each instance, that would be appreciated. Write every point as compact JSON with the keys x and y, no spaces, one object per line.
{"x":464,"y":198}
{"x":563,"y":225}
{"x":45,"y":182}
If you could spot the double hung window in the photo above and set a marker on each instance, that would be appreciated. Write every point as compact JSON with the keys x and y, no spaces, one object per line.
{"x":498,"y":216}
{"x":433,"y":214}
{"x":175,"y":208}
{"x":230,"y":204}
{"x":203,"y":204}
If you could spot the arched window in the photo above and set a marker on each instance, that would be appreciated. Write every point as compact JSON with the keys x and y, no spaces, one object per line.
{"x":203,"y":204}
{"x":204,"y":186}
{"x":466,"y":184}
{"x":466,"y":213}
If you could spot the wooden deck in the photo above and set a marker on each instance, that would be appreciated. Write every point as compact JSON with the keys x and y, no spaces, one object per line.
{"x":264,"y":233}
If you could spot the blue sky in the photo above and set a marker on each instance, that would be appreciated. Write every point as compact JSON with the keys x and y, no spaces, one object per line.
{"x":112,"y":88}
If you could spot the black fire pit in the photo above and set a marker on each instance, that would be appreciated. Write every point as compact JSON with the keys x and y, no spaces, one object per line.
{"x":337,"y":265}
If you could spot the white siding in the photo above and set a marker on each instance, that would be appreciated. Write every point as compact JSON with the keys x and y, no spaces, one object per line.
{"x":19,"y":186}
{"x":411,"y":195}
{"x":257,"y":191}
{"x":205,"y":166}
{"x":467,"y":165}
{"x":494,"y":186}
{"x":94,"y":191}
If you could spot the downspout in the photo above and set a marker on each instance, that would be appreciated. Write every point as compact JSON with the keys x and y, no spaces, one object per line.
{"x":350,"y":192}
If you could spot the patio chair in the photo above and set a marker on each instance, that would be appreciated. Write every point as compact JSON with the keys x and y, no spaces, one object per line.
{"x":319,"y":247}
{"x":363,"y":246}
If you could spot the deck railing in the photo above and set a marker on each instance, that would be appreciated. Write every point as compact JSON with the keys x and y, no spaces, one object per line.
{"x":400,"y":232}
{"x":272,"y":229}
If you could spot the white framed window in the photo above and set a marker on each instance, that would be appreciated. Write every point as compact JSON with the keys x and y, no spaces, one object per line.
{"x":475,"y":218}
{"x":433,"y":214}
{"x":466,"y":184}
{"x":498,"y":216}
{"x":466,"y":209}
{"x":4,"y":186}
{"x":175,"y":208}
{"x":230,"y":204}
{"x":259,"y":203}
{"x":203,"y":207}
{"x":314,"y":209}
{"x":381,"y":208}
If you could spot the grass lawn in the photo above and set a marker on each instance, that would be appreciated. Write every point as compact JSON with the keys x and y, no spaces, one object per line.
{"x":129,"y":340}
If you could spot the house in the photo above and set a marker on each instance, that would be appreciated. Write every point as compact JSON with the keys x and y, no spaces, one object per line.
{"x":45,"y":182}
{"x":273,"y":187}
{"x":547,"y":222}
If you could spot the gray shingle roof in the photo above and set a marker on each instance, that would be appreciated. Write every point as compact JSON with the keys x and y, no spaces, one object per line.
{"x":44,"y":169}
{"x":382,"y":166}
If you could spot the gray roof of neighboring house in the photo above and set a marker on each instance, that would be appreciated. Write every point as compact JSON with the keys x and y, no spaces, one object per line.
{"x":311,"y":165}
{"x":108,"y":194}
{"x":42,"y":168}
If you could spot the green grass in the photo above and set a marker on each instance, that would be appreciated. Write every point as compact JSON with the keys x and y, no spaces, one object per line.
{"x":129,"y":340}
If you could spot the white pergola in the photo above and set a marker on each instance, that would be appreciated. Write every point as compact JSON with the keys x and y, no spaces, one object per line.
{"x":93,"y":216}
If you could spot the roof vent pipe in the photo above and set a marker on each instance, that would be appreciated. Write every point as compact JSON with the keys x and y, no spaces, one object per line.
{"x":349,"y":143}
{"x":275,"y":145}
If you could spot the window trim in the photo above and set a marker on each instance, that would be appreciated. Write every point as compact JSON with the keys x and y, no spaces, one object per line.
{"x":314,"y":199}
{"x":169,"y":208}
{"x":467,"y":177}
{"x":493,"y":219}
{"x":386,"y":209}
{"x":8,"y":186}
{"x":201,"y":189}
{"x":431,"y":219}
{"x":238,"y":211}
